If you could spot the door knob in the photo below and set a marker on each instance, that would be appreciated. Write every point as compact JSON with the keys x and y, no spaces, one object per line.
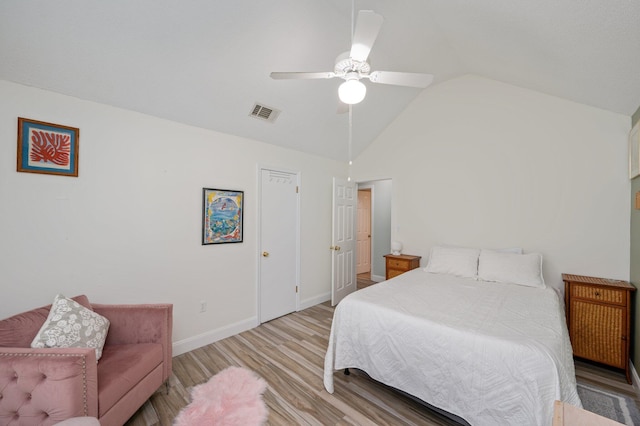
{"x":336,"y":248}
{"x":265,"y":254}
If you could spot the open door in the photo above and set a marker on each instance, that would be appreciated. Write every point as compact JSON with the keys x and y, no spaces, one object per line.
{"x":343,"y":247}
{"x":363,"y":233}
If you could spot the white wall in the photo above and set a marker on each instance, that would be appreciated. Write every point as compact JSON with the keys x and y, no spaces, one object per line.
{"x":128,"y":229}
{"x":479,"y":163}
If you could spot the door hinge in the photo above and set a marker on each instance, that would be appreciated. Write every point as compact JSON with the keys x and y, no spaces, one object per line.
{"x":296,"y":289}
{"x":296,"y":189}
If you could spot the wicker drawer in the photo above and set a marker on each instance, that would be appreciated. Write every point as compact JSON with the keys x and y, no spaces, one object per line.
{"x":597,"y":331}
{"x":600,"y":294}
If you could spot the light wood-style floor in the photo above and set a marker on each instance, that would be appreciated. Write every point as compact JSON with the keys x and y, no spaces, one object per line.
{"x":288,"y":353}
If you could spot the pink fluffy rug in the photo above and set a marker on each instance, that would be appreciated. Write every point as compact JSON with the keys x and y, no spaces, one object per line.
{"x":233,"y":397}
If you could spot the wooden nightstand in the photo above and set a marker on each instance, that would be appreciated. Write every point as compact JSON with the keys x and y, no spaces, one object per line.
{"x":599,"y":319}
{"x":397,"y":264}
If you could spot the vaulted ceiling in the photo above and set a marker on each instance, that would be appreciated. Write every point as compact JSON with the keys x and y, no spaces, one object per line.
{"x":207,"y":62}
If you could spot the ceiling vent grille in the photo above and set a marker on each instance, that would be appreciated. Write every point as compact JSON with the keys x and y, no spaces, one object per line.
{"x":264,"y":113}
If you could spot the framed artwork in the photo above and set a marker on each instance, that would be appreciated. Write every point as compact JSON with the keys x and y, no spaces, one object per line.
{"x":222,"y":211}
{"x":47,"y":148}
{"x":634,"y":151}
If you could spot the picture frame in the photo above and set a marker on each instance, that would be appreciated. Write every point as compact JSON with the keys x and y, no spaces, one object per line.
{"x":634,"y":151}
{"x":47,"y":148}
{"x":222,"y":216}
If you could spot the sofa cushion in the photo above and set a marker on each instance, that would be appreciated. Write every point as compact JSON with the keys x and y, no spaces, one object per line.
{"x":19,"y":330}
{"x":121,"y":368}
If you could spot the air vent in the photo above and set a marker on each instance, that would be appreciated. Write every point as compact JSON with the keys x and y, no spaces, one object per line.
{"x":264,"y":113}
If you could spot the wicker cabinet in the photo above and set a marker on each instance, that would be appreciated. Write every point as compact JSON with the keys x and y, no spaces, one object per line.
{"x":396,"y":264}
{"x":599,"y":319}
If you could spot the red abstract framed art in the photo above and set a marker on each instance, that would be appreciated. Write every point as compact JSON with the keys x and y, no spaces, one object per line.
{"x":47,"y":148}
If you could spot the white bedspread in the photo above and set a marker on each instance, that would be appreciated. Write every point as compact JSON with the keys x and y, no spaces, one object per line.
{"x":493,"y":354}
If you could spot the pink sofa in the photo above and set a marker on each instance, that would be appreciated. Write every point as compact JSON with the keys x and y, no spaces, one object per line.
{"x":46,"y":386}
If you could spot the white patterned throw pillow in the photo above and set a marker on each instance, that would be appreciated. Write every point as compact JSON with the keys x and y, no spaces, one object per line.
{"x":71,"y":325}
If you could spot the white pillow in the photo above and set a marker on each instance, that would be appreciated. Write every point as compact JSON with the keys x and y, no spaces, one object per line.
{"x":459,"y":261}
{"x":71,"y":325}
{"x":523,"y":269}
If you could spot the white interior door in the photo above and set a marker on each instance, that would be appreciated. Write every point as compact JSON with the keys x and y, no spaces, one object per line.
{"x":279,"y":242}
{"x":363,"y":247}
{"x":343,"y":271}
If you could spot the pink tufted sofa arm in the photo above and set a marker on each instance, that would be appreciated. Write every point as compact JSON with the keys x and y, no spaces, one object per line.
{"x":47,"y":386}
{"x":140,"y":324}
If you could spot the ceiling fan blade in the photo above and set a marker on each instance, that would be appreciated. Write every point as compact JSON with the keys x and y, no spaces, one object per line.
{"x":367,"y":29}
{"x":301,"y":75}
{"x":410,"y":79}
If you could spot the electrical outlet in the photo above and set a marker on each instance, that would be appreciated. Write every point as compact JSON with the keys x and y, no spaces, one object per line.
{"x":203,"y":306}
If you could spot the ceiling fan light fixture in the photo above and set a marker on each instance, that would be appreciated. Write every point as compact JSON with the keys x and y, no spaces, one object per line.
{"x":352,"y":91}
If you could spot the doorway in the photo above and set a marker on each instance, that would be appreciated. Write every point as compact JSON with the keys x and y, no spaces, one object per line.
{"x":380,"y":224}
{"x":363,"y":234}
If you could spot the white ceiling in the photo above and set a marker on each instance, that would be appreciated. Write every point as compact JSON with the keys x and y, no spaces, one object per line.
{"x":206,"y":62}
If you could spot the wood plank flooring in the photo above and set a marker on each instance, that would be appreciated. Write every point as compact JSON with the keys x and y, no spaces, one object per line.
{"x":288,"y":353}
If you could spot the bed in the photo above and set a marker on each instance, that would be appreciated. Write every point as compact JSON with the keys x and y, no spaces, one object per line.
{"x":485,"y":341}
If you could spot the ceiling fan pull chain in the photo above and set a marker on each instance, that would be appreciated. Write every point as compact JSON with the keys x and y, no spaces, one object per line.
{"x":349,"y":142}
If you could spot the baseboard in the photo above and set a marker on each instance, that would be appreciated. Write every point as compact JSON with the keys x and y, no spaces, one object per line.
{"x":307,"y":303}
{"x":204,"y":339}
{"x":377,"y":278}
{"x":212,"y":336}
{"x":195,"y":342}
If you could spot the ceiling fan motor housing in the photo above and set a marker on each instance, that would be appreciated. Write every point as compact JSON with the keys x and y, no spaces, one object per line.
{"x":345,"y":65}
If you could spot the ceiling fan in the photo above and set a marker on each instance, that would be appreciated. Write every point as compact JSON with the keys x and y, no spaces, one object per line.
{"x":352,"y":66}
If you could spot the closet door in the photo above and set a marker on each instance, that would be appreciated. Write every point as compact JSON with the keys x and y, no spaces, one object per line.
{"x":279,"y":242}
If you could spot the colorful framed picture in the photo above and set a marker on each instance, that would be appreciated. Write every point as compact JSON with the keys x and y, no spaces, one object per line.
{"x":222,"y":211}
{"x":47,"y":148}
